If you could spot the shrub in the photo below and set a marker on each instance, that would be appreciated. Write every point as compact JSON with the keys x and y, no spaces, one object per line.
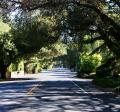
{"x":29,"y":68}
{"x":103,"y":71}
{"x":13,"y":67}
{"x":37,"y":68}
{"x":21,"y":65}
{"x":89,"y":63}
{"x":107,"y":82}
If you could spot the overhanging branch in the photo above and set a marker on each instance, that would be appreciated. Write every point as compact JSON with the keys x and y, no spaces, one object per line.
{"x":92,"y":40}
{"x":103,"y":16}
{"x":98,"y":49}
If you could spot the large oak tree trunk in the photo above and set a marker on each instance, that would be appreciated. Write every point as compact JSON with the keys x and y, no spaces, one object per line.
{"x":3,"y":73}
{"x":3,"y":70}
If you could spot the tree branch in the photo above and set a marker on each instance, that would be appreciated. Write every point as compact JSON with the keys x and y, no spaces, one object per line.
{"x":116,"y":2}
{"x":98,"y":49}
{"x":92,"y":40}
{"x":103,"y":16}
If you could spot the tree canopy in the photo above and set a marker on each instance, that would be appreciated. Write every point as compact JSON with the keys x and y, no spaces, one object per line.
{"x":37,"y":23}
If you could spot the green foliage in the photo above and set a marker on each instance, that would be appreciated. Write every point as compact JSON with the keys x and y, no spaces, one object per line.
{"x":72,"y":57}
{"x":33,"y":67}
{"x":109,"y":68}
{"x":4,"y":28}
{"x":32,"y":36}
{"x":89,"y":63}
{"x":14,"y":66}
{"x":30,"y":33}
{"x":108,"y":82}
{"x":101,"y":27}
{"x":37,"y":68}
{"x":7,"y":49}
{"x":29,"y":68}
{"x":103,"y":71}
{"x":77,"y":20}
{"x":26,"y":37}
{"x":45,"y":58}
{"x":20,"y":65}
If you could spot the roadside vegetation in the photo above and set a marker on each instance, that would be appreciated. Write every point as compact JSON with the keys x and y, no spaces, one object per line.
{"x":81,"y":35}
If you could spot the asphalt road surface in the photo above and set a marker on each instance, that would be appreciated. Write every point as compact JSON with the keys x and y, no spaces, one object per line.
{"x":57,"y":90}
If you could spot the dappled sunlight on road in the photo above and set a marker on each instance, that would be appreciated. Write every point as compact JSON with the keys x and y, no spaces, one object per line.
{"x":63,"y":93}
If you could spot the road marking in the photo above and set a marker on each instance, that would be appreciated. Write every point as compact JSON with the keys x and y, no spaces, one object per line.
{"x":79,"y":87}
{"x":30,"y":92}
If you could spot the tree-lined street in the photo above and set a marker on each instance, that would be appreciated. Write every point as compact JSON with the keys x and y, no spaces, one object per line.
{"x":81,"y":37}
{"x":56,"y":90}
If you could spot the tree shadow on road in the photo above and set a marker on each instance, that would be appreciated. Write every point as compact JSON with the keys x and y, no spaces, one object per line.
{"x":56,"y":96}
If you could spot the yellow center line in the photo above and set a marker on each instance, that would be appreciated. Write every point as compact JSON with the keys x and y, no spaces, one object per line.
{"x":30,"y":91}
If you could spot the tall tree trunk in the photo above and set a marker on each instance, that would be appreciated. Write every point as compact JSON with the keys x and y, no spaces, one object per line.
{"x":3,"y":70}
{"x":3,"y":73}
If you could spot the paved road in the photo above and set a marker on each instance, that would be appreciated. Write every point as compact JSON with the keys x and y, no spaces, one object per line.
{"x":55,"y":91}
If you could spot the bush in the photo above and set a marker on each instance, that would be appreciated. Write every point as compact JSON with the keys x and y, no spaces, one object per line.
{"x":20,"y":65}
{"x":89,"y":63}
{"x":33,"y":68}
{"x":29,"y":68}
{"x":103,"y":71}
{"x":12,"y":67}
{"x":107,"y":82}
{"x":37,"y":68}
